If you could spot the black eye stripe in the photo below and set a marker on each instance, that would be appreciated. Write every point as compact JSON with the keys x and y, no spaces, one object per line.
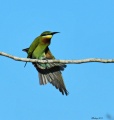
{"x":45,"y":34}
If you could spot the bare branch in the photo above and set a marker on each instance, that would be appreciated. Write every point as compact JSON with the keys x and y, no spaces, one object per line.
{"x":58,"y":61}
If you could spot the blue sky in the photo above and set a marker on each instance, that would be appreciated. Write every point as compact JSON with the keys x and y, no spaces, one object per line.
{"x":87,"y":31}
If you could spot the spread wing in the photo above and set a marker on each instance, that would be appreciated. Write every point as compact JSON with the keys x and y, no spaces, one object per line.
{"x":52,"y":75}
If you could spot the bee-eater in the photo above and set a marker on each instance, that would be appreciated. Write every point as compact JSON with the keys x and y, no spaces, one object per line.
{"x":48,"y":72}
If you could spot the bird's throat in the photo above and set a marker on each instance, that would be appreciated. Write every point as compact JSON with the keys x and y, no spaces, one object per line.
{"x":46,"y":40}
{"x":48,"y":36}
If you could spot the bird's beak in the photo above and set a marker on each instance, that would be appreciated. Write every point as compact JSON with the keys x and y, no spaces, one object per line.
{"x":54,"y":33}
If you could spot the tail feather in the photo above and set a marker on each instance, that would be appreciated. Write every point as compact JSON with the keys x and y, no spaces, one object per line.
{"x":44,"y":78}
{"x":40,"y":79}
{"x":25,"y":50}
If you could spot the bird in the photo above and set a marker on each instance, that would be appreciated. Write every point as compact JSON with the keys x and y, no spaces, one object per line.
{"x":48,"y":72}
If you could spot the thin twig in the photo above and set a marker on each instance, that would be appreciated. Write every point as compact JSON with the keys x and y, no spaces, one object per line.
{"x":58,"y":61}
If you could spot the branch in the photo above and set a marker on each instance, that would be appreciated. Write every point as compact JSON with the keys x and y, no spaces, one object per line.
{"x":58,"y":61}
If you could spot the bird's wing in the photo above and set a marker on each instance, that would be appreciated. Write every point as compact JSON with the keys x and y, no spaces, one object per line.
{"x":48,"y":54}
{"x":52,"y":75}
{"x":32,"y":47}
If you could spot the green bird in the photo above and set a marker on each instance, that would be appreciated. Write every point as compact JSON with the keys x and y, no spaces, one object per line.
{"x":48,"y":72}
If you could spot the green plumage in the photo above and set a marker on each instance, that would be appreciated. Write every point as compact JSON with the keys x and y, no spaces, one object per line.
{"x":49,"y":72}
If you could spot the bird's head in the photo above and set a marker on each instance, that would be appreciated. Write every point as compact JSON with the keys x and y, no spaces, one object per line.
{"x":48,"y":34}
